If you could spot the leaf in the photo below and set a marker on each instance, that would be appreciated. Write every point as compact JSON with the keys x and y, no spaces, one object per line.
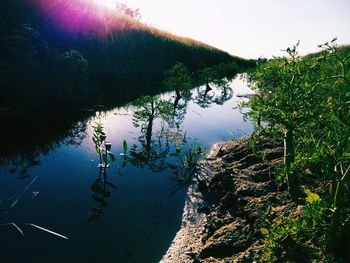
{"x":264,"y":231}
{"x":311,"y":197}
{"x":125,"y":146}
{"x":111,"y":155}
{"x":102,"y":137}
{"x":278,"y":221}
{"x":308,"y":171}
{"x":108,"y":146}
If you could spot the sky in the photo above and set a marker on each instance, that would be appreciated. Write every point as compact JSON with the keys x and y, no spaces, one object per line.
{"x":251,"y":28}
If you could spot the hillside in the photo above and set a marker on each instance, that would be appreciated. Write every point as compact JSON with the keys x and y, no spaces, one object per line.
{"x":57,"y":57}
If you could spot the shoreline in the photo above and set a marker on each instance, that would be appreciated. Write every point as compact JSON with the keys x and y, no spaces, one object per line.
{"x":225,"y":204}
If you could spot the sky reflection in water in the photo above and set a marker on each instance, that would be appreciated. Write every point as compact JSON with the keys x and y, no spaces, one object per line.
{"x":141,"y":212}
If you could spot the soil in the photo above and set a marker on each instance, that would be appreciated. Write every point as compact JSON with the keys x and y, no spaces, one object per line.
{"x":226,"y":204}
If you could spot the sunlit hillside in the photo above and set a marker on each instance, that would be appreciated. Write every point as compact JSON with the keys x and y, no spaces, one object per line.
{"x":103,"y":54}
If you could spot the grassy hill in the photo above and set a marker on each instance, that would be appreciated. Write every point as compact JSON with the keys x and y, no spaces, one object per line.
{"x":60,"y":63}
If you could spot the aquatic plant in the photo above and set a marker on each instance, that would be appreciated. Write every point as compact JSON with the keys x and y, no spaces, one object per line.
{"x":102,"y":147}
{"x":186,"y":162}
{"x":100,"y":187}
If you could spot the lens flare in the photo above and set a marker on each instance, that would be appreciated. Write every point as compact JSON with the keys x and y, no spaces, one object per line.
{"x":83,"y":16}
{"x":110,"y":4}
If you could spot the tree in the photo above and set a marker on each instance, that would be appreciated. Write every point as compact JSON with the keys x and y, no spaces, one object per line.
{"x":178,"y":78}
{"x":283,"y":89}
{"x":130,"y":12}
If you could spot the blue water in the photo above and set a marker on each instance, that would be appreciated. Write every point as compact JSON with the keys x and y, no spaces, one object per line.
{"x":141,"y":215}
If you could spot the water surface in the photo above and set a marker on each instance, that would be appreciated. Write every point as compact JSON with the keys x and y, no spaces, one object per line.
{"x":134,"y":214}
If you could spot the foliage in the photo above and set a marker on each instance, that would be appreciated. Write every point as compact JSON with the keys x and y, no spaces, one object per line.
{"x":285,"y":233}
{"x":101,"y":188}
{"x":102,"y":147}
{"x":178,"y":78}
{"x":306,"y":101}
{"x":187,"y":162}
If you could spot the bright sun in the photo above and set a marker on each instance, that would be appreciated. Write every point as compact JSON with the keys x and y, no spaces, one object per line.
{"x":110,"y":4}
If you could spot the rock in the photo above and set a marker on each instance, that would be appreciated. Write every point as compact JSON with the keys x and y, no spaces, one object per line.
{"x":229,"y":239}
{"x":223,"y":213}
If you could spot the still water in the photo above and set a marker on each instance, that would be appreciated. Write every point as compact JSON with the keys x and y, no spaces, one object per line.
{"x":133,"y":214}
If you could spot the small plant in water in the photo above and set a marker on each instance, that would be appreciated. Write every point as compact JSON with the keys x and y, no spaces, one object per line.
{"x":103,"y":148}
{"x":187,"y":162}
{"x":101,"y":188}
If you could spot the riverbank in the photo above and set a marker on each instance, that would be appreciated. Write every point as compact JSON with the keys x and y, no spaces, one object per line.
{"x":230,"y":201}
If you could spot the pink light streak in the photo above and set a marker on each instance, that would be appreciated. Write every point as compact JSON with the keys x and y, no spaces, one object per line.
{"x":82,"y":16}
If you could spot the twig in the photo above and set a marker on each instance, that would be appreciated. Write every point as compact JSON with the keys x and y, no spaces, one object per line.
{"x":21,"y":194}
{"x":15,"y":226}
{"x":46,"y":230}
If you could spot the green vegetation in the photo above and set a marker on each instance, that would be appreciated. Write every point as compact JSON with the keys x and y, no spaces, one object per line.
{"x":187,"y":162}
{"x":102,"y":147}
{"x":101,"y":188}
{"x":305,"y":102}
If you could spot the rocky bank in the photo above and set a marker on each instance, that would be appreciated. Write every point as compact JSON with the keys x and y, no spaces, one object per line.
{"x":226,"y":204}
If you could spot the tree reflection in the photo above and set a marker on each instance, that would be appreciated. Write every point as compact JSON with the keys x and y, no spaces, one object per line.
{"x":178,"y":79}
{"x":154,"y":146}
{"x":219,"y":94}
{"x":101,"y":191}
{"x":204,"y":99}
{"x":20,"y":152}
{"x":179,"y":108}
{"x":226,"y":93}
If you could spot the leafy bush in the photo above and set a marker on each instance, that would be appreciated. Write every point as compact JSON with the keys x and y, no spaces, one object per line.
{"x":306,"y":101}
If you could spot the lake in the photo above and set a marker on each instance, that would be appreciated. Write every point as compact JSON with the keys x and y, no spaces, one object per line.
{"x":132,"y":213}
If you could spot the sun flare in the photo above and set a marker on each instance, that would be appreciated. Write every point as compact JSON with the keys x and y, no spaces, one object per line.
{"x":110,"y":4}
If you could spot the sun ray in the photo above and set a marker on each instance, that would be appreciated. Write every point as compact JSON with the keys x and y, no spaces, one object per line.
{"x":84,"y":16}
{"x":110,"y":4}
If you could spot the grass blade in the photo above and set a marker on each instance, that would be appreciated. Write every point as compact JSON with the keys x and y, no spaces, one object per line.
{"x":15,"y":226}
{"x":47,"y":230}
{"x":21,"y":194}
{"x":14,"y":203}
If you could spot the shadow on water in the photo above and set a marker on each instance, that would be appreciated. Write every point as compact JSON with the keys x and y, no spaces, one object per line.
{"x":23,"y":144}
{"x":27,"y":136}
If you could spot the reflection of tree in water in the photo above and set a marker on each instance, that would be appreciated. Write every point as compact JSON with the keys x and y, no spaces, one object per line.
{"x":226,"y":93}
{"x":154,"y":146}
{"x":101,"y":190}
{"x":178,"y":79}
{"x":218,"y":94}
{"x":204,"y":97}
{"x":19,"y":153}
{"x":179,"y":108}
